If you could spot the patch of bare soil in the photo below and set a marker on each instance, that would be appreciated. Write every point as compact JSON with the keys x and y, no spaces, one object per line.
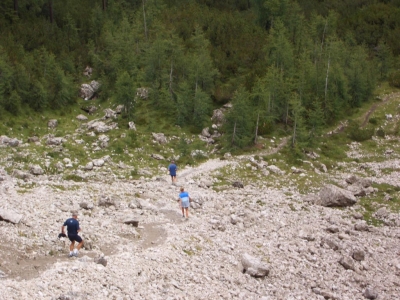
{"x":22,"y":266}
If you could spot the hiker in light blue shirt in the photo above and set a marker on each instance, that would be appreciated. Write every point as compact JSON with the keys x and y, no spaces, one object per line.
{"x":184,"y":202}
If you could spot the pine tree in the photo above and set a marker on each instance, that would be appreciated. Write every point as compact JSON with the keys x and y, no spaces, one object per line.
{"x":239,"y":124}
{"x":125,"y":94}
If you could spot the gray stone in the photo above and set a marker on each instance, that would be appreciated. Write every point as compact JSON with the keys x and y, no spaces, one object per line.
{"x":89,"y":166}
{"x":132,"y":126}
{"x":160,"y":138}
{"x":358,"y":255}
{"x":36,"y":170}
{"x":52,"y":123}
{"x":88,"y":90}
{"x":275,"y":169}
{"x":205,"y":132}
{"x":108,"y":200}
{"x":81,"y":117}
{"x":382,"y":213}
{"x":133,"y":222}
{"x":33,"y":139}
{"x":142,"y":93}
{"x":332,"y":244}
{"x":54,"y":141}
{"x":370,"y":293}
{"x":332,"y":229}
{"x":10,"y":216}
{"x":102,"y":261}
{"x":157,"y":156}
{"x":238,"y":184}
{"x":254,"y":266}
{"x":361,"y":226}
{"x":98,"y":162}
{"x":347,"y":263}
{"x":86,"y":205}
{"x":109,"y":114}
{"x":13,"y":142}
{"x":21,"y":174}
{"x":331,"y":195}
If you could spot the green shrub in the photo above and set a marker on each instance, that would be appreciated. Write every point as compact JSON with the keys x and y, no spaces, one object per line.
{"x":394,"y":79}
{"x":373,"y":121}
{"x":74,"y":177}
{"x":380,"y":132}
{"x":358,"y":134}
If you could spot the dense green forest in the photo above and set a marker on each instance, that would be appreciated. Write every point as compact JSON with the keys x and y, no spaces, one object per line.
{"x":298,"y":65}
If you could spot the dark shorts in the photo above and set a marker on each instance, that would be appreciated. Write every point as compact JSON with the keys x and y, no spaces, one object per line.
{"x":74,"y":238}
{"x":173,"y":175}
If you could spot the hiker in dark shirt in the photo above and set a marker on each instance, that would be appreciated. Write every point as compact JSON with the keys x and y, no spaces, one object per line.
{"x":172,"y":171}
{"x":73,"y":229}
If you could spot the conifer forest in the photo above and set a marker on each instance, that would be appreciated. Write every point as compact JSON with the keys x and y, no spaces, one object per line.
{"x":297,"y":66}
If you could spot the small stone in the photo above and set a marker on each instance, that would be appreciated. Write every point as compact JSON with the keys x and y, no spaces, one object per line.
{"x":370,"y":293}
{"x":358,"y":255}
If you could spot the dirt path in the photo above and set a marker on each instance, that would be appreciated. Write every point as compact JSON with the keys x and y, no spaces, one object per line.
{"x":376,"y":105}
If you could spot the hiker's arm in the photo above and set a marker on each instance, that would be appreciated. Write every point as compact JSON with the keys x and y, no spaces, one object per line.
{"x":62,"y":229}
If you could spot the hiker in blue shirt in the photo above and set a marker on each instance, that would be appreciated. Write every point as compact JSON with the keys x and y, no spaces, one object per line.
{"x":184,"y":202}
{"x":73,"y":228}
{"x":172,"y":171}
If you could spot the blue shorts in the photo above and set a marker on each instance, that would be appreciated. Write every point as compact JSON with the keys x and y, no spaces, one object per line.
{"x":74,"y":238}
{"x":185,"y":204}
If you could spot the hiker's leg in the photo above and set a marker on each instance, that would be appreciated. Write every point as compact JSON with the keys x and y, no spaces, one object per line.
{"x":72,"y":246}
{"x":79,"y":245}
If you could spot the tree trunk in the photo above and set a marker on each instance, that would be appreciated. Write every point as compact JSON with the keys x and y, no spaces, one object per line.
{"x":170,"y":81}
{"x":323,"y":34}
{"x":255,"y":138}
{"x":233,"y":134}
{"x":294,"y":132}
{"x":16,"y":7}
{"x":144,"y":20}
{"x":104,"y":2}
{"x":326,"y":79}
{"x":51,"y":11}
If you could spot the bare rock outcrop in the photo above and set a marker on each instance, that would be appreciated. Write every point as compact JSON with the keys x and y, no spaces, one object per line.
{"x":88,"y":90}
{"x":331,"y":195}
{"x":159,"y":138}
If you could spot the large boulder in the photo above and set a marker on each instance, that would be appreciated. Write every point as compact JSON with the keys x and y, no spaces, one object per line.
{"x":98,"y":126}
{"x":20,"y":174}
{"x":10,"y":216}
{"x":218,"y":116}
{"x":206,"y":132}
{"x":54,"y":141}
{"x":36,"y":170}
{"x":107,"y":201}
{"x":254,"y":266}
{"x":81,"y":117}
{"x":331,"y":195}
{"x":91,"y":109}
{"x":109,"y":114}
{"x":88,"y":90}
{"x":53,"y":123}
{"x":160,"y":138}
{"x":142,"y":93}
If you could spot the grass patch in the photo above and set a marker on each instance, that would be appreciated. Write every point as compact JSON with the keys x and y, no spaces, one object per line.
{"x":377,"y":200}
{"x":74,"y":177}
